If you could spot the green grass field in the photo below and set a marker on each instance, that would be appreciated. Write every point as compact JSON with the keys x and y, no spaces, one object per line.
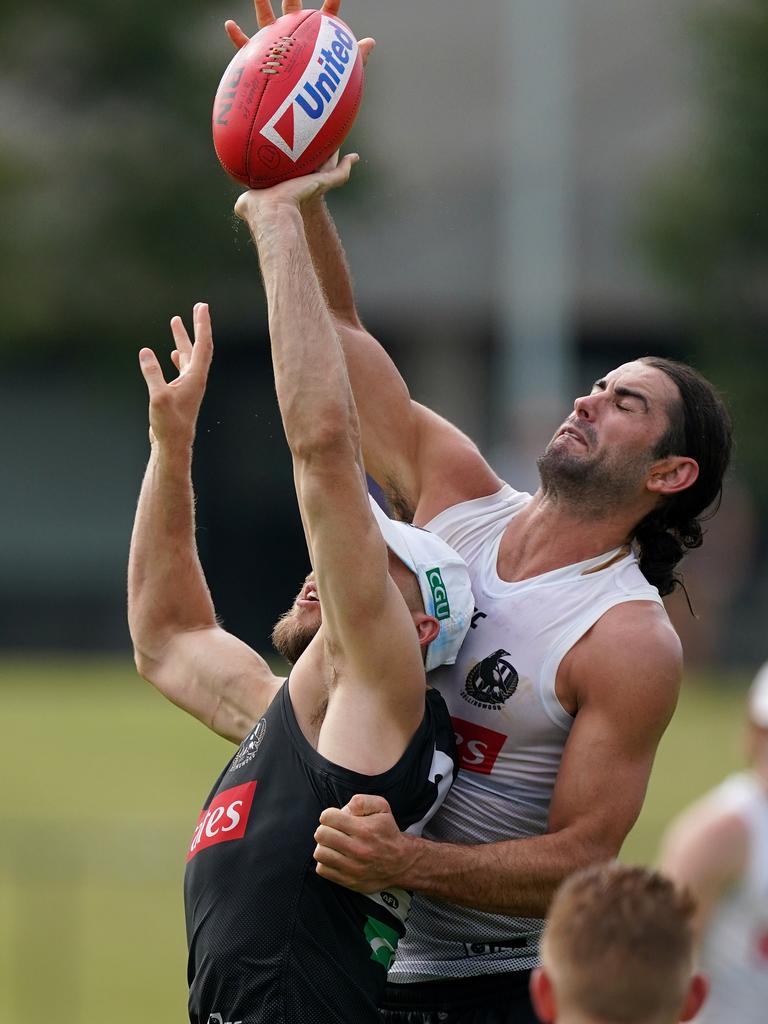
{"x":103,"y":785}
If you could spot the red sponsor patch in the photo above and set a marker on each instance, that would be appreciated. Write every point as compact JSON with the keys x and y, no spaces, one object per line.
{"x":478,"y":747}
{"x":224,"y":819}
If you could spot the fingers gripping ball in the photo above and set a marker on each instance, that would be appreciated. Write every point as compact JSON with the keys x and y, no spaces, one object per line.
{"x":288,"y":99}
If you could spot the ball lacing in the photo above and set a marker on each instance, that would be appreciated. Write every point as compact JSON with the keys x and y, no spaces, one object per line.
{"x":274,"y":58}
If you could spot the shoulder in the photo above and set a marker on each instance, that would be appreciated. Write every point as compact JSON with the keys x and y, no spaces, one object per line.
{"x":708,"y":839}
{"x":645,"y":625}
{"x":631,"y":659}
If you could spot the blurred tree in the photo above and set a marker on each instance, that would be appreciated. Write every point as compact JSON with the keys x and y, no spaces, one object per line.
{"x":115,"y":211}
{"x":707,"y":224}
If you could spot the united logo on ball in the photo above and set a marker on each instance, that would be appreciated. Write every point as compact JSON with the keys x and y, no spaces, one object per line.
{"x":288,"y":99}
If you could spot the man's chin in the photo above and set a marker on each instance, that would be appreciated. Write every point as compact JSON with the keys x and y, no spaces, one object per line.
{"x":295,"y":631}
{"x":563,"y":459}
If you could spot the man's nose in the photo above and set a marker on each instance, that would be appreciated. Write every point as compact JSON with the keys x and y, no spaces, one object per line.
{"x":586,"y":406}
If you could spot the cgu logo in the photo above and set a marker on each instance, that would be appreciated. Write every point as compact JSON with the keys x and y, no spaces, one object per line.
{"x":216,"y":1018}
{"x":302,"y":114}
{"x":225,"y":818}
{"x":439,"y":593}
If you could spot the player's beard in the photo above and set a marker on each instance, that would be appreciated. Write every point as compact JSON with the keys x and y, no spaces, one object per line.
{"x":291,"y":636}
{"x":592,"y":486}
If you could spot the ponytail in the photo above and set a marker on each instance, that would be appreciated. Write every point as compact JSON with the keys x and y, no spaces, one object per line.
{"x":700,"y":429}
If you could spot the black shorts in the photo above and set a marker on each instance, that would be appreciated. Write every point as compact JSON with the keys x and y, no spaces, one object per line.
{"x":486,"y":999}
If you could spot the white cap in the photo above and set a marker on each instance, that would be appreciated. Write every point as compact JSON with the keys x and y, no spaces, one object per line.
{"x":758,"y":698}
{"x":443,"y":580}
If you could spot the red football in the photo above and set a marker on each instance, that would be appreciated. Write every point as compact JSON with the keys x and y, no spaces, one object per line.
{"x":288,"y":99}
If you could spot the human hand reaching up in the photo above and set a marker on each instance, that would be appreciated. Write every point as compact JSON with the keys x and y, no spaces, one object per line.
{"x":266,"y":16}
{"x":174,"y":405}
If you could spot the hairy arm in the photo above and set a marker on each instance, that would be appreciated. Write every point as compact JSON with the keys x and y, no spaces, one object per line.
{"x":424,"y":463}
{"x":623,"y":711}
{"x":369,"y":637}
{"x":178,"y":645}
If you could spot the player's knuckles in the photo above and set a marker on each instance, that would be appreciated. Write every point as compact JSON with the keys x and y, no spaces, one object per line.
{"x":361,"y":851}
{"x":324,"y":836}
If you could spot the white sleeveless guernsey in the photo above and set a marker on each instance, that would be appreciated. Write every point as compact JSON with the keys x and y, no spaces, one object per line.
{"x":510,"y":726}
{"x":735,"y":949}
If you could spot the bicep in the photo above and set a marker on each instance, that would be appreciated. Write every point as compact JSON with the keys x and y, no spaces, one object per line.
{"x":368,"y":631}
{"x":600,"y":786}
{"x":346,"y":548}
{"x":424,"y":462}
{"x":606,"y":766}
{"x":624,"y":704}
{"x":364,"y":613}
{"x":216,"y":678}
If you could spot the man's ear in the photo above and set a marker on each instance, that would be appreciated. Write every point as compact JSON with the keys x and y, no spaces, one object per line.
{"x":698,"y":991}
{"x":673,"y":474}
{"x":543,"y":996}
{"x":426,"y":626}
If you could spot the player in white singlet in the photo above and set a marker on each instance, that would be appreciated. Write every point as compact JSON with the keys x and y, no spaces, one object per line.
{"x":511,"y":726}
{"x":719,"y":849}
{"x":565,"y":690}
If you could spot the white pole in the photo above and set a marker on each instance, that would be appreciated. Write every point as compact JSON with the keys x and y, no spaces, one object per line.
{"x":534,"y":278}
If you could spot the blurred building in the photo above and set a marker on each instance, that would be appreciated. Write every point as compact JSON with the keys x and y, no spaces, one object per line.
{"x":427,"y":228}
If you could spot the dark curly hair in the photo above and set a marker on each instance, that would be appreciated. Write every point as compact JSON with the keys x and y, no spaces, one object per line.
{"x":700,"y":428}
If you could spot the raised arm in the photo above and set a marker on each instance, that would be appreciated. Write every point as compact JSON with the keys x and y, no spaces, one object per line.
{"x":424,"y":463}
{"x":369,"y":635}
{"x":623,"y":711}
{"x":178,"y":645}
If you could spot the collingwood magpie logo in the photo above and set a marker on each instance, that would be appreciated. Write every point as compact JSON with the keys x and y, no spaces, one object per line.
{"x":249,"y":746}
{"x":491,"y":682}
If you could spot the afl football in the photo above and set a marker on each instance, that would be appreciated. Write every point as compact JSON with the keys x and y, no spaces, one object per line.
{"x":288,"y":99}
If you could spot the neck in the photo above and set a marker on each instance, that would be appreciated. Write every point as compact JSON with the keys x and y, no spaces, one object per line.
{"x":550,"y":533}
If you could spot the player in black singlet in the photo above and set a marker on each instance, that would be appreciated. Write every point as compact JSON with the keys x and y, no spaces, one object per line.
{"x":270,"y":941}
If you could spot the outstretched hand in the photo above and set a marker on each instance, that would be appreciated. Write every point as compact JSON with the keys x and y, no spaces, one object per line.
{"x":174,"y":405}
{"x":296,"y":191}
{"x":266,"y":16}
{"x":361,"y":847}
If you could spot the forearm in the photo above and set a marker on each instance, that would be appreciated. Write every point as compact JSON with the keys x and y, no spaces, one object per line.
{"x":516,"y":877}
{"x":167,"y":592}
{"x":330,"y":262}
{"x":311,"y":379}
{"x":383,"y":403}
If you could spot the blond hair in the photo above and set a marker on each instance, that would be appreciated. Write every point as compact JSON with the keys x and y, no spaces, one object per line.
{"x":618,"y":944}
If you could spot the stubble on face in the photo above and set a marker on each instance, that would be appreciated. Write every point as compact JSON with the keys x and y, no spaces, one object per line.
{"x":294,"y":631}
{"x":592,"y":483}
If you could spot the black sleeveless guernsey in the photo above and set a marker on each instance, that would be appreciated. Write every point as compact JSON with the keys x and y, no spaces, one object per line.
{"x":270,"y":941}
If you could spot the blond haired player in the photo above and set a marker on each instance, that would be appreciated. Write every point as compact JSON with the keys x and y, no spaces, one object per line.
{"x":617,"y":948}
{"x":719,"y":849}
